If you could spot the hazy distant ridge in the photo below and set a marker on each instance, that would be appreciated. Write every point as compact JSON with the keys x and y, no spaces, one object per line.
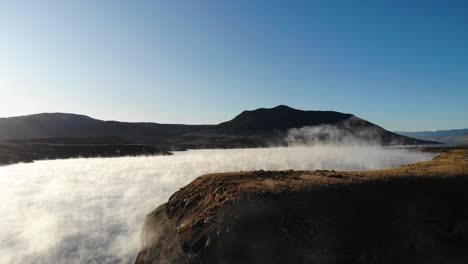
{"x":454,"y":136}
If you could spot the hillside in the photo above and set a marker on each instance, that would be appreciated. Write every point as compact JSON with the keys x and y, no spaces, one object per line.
{"x":280,"y":118}
{"x":50,"y":125}
{"x":257,"y":128}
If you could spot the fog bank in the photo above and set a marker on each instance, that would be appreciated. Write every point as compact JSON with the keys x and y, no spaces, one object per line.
{"x":91,"y":210}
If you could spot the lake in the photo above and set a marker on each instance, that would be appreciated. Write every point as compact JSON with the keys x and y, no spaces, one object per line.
{"x":91,"y":210}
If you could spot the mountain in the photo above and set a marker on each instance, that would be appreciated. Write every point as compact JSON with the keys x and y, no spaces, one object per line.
{"x":260,"y":127}
{"x":280,"y":118}
{"x":452,"y":136}
{"x":51,"y":125}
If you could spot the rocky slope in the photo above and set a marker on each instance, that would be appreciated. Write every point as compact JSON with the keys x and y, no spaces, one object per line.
{"x":416,"y":213}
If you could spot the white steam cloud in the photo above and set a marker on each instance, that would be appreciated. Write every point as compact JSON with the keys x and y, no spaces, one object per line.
{"x":91,"y":210}
{"x":353,"y":132}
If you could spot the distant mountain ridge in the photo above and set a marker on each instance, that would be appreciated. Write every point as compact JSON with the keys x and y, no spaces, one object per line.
{"x":452,"y":136}
{"x":50,"y":125}
{"x":256,"y":128}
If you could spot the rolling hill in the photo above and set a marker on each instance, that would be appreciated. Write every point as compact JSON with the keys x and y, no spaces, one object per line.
{"x":256,"y":128}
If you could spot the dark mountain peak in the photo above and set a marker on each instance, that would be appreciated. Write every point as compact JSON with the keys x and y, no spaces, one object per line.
{"x":279,"y":108}
{"x":67,"y":115}
{"x":45,"y":125}
{"x":281,"y":118}
{"x":52,"y":116}
{"x":283,"y":108}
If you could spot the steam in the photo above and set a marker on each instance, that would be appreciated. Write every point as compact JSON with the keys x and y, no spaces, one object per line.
{"x":91,"y":210}
{"x":352,"y":132}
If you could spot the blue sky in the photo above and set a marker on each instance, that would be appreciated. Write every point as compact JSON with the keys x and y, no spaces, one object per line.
{"x":401,"y":65}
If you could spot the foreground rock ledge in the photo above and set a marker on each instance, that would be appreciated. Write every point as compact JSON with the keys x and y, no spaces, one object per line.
{"x":416,"y":213}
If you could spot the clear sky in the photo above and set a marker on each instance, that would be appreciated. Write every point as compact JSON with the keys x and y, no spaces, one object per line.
{"x":400,"y":64}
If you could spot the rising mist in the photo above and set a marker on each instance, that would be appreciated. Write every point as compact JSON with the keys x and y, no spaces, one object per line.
{"x":91,"y":210}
